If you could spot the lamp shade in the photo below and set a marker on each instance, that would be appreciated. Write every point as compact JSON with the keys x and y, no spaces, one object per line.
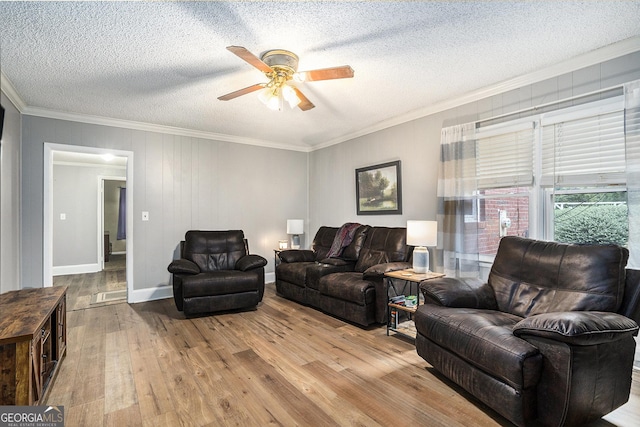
{"x":295,"y":226}
{"x":422,"y":233}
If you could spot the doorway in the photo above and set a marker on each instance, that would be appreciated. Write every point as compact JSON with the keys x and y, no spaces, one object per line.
{"x":92,"y":157}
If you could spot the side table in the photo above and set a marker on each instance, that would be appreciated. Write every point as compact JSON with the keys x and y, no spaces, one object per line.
{"x":410,"y":278}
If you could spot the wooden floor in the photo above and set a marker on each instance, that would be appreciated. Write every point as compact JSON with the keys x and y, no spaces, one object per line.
{"x":82,"y":287}
{"x":282,"y":364}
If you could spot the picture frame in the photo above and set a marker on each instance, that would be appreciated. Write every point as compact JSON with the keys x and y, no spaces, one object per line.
{"x":379,"y":189}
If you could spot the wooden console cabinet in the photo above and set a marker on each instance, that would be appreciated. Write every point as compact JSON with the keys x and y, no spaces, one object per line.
{"x":33,"y":341}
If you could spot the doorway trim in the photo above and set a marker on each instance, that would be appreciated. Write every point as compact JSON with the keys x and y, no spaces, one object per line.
{"x":47,"y":238}
{"x":101,"y":248}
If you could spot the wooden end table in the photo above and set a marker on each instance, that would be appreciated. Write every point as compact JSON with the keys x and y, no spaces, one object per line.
{"x":410,"y":278}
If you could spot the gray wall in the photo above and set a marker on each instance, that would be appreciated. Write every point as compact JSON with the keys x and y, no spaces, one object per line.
{"x":75,"y":193}
{"x":183,"y":182}
{"x":10,"y":199}
{"x":188,"y":182}
{"x":416,"y":144}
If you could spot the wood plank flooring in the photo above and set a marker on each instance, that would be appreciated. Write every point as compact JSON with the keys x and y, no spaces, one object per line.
{"x":83,"y":286}
{"x":282,"y":365}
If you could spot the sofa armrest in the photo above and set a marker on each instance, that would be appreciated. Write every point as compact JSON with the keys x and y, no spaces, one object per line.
{"x":297,"y":255}
{"x":183,"y":266}
{"x":250,"y":262}
{"x":577,"y":327}
{"x":378,"y":270}
{"x":338,"y":262}
{"x":461,"y":293}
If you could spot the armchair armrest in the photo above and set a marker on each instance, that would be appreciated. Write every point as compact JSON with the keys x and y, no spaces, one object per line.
{"x":250,"y":262}
{"x":297,"y":255}
{"x":378,"y":270}
{"x":455,"y":292}
{"x":577,"y":327}
{"x":183,"y":266}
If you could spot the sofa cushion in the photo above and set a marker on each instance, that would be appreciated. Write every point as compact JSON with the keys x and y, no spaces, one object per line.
{"x":295,"y":273}
{"x":484,"y":338}
{"x":352,"y":251}
{"x":532,"y":277}
{"x":347,"y":286}
{"x":219,"y":283}
{"x":324,"y":268}
{"x":382,"y":245}
{"x":322,"y":241}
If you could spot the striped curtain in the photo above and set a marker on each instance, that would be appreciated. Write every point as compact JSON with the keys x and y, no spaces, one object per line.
{"x":457,"y":252}
{"x":632,"y":147}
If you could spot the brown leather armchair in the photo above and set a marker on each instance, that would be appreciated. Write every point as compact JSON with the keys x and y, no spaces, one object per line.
{"x":546,"y":340}
{"x":216,"y":273}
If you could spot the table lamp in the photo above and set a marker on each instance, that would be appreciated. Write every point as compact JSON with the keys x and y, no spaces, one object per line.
{"x":421,"y":234}
{"x":295,"y":227}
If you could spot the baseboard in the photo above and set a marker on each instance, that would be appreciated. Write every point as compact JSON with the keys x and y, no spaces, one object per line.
{"x":63,"y":270}
{"x":269,"y":277}
{"x":150,"y":294}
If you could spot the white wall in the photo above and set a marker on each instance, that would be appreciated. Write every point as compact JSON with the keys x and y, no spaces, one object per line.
{"x":183,"y":182}
{"x":416,"y":144}
{"x":10,"y":199}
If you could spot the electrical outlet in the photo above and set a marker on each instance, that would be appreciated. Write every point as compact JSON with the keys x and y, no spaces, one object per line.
{"x":63,"y":216}
{"x":145,"y":216}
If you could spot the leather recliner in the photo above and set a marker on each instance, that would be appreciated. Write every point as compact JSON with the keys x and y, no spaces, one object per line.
{"x":215,"y":272}
{"x":545,"y":341}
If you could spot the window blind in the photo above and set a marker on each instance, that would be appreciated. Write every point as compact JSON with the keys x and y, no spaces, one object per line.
{"x":505,"y":156}
{"x":589,"y":150}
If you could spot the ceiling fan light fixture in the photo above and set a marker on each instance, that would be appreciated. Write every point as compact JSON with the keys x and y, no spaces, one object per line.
{"x":281,"y":66}
{"x":271,"y":97}
{"x":290,"y":96}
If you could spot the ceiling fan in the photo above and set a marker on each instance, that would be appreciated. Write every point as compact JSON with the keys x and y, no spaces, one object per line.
{"x":280,"y":67}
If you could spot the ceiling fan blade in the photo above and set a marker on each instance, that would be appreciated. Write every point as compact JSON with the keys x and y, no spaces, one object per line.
{"x":305,"y":104}
{"x":241,"y":92}
{"x":249,"y":57}
{"x":342,"y":72}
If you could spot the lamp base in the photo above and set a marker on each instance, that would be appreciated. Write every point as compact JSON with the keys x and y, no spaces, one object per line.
{"x":295,"y":241}
{"x":420,"y":259}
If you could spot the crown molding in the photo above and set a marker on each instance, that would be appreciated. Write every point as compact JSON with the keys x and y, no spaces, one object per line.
{"x":603,"y":54}
{"x":10,"y":91}
{"x":593,"y":57}
{"x":151,"y":127}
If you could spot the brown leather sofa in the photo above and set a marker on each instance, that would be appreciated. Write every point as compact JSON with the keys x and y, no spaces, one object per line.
{"x":350,"y":286}
{"x":215,"y":272}
{"x":546,"y":340}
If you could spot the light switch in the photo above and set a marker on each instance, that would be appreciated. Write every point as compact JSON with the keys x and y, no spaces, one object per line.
{"x":63,"y":216}
{"x":145,"y":216}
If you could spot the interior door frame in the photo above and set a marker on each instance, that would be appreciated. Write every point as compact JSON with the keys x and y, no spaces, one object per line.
{"x":101,"y":180}
{"x":47,"y":238}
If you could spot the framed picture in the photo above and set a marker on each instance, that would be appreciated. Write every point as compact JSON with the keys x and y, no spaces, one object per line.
{"x":379,"y":189}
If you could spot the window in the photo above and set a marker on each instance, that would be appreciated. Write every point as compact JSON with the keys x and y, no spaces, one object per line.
{"x":565,"y":169}
{"x":590,"y":217}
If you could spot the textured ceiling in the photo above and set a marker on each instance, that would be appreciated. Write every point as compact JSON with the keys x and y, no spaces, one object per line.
{"x":165,"y":63}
